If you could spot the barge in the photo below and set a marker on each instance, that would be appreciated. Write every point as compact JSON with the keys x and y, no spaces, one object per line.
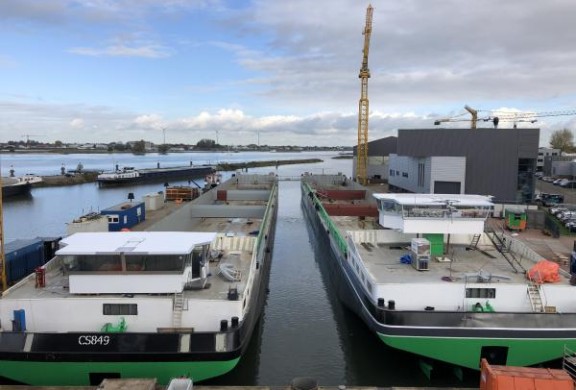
{"x":131,"y":175}
{"x":178,"y":297}
{"x":427,"y":277}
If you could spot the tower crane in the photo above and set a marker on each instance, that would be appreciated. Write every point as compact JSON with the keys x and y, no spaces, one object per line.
{"x":363,"y":106}
{"x":507,"y":117}
{"x":473,"y":120}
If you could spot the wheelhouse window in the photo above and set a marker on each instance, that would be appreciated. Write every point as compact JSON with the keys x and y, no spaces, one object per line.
{"x":125,"y":263}
{"x":116,"y":309}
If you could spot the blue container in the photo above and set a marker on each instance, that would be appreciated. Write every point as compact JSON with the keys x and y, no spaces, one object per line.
{"x":22,"y":258}
{"x":124,"y":215}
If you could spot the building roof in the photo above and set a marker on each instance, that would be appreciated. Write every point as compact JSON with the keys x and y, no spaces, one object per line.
{"x":436,"y":199}
{"x":153,"y":243}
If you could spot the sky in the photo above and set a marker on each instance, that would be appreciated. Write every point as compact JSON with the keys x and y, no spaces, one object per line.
{"x":278,"y":72}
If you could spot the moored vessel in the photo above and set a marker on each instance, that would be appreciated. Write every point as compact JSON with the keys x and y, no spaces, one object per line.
{"x":129,"y":175}
{"x":175,"y":297}
{"x":19,"y":186}
{"x":427,"y":277}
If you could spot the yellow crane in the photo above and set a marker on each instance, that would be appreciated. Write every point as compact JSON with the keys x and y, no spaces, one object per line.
{"x":473,"y":120}
{"x":363,"y":109}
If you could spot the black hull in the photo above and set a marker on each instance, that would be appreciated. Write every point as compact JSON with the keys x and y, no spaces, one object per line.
{"x":14,"y":190}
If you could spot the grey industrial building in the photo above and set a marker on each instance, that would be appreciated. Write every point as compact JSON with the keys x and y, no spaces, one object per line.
{"x":497,"y":162}
{"x":378,"y":152}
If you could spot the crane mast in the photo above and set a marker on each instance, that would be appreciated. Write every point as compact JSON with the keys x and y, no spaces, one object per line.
{"x":363,"y":109}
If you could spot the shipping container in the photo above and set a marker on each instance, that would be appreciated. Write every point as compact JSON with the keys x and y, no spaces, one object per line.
{"x":494,"y":377}
{"x":23,"y":256}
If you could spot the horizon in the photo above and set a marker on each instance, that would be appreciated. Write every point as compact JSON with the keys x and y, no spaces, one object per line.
{"x":255,"y":72}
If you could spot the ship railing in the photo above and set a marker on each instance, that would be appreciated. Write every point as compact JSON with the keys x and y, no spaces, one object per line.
{"x":332,"y":230}
{"x":266,"y":220}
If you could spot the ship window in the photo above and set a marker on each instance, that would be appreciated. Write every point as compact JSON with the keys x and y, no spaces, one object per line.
{"x":112,"y":219}
{"x":404,"y":174}
{"x":480,"y":293}
{"x":115,"y":309}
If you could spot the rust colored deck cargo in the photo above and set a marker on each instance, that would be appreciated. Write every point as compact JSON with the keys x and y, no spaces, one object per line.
{"x":342,"y":194}
{"x":222,"y":195}
{"x":525,"y":378}
{"x":351,"y":210}
{"x":182,"y":193}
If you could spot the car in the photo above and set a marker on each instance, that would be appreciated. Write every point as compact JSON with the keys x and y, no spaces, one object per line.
{"x":553,"y":199}
{"x":568,"y":184}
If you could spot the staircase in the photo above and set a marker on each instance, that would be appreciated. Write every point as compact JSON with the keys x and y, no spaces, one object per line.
{"x":503,"y":246}
{"x":177,"y":310}
{"x":535,"y":297}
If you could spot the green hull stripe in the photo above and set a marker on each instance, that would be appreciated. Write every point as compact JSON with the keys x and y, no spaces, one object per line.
{"x":78,"y":374}
{"x":466,"y":352}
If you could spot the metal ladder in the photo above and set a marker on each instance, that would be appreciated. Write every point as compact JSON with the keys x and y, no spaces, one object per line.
{"x":475,"y":240}
{"x":535,"y":297}
{"x":177,"y":310}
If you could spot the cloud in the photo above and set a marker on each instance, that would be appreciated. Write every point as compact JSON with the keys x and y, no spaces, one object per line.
{"x":77,"y":123}
{"x":148,"y":51}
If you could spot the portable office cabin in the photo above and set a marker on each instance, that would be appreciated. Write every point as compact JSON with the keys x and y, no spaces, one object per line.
{"x":515,"y":219}
{"x":124,"y":215}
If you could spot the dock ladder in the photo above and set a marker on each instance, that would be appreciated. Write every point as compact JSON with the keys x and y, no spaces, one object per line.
{"x":177,"y":310}
{"x":535,"y":297}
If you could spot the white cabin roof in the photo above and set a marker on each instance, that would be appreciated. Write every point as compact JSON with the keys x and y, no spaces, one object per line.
{"x":153,"y":243}
{"x":435,"y":199}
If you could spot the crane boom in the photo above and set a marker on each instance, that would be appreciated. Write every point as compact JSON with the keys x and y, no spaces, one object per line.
{"x":363,"y":106}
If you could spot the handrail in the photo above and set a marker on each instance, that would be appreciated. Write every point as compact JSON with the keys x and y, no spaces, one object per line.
{"x":340,"y":241}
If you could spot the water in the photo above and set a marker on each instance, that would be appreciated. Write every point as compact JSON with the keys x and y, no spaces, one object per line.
{"x":304,"y":330}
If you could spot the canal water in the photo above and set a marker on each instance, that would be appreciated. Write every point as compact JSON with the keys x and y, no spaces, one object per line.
{"x":304,"y":330}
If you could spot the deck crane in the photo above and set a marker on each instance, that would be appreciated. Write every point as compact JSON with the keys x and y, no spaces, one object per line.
{"x":363,"y":106}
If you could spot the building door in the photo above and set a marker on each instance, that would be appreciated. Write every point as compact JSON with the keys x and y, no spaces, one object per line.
{"x":447,"y":187}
